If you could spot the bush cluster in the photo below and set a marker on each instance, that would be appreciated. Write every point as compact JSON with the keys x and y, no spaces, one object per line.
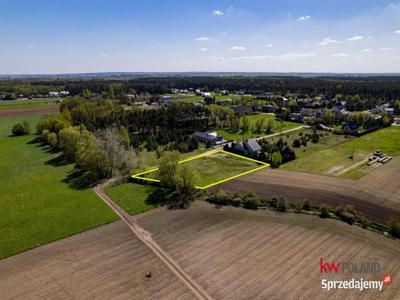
{"x":21,"y":129}
{"x":345,"y":213}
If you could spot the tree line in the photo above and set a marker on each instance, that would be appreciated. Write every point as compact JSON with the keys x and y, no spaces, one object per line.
{"x":366,"y":87}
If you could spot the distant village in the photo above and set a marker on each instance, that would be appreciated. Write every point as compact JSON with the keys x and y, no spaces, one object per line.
{"x":320,"y":111}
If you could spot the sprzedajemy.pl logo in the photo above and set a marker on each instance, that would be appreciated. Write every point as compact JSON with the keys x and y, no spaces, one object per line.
{"x":353,"y":268}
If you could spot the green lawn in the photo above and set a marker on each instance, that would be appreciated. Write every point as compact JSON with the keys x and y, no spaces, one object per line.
{"x":5,"y":107}
{"x":335,"y":152}
{"x":189,"y":100}
{"x":28,"y":102}
{"x":243,"y":135}
{"x":131,"y":197}
{"x":192,"y":99}
{"x":215,"y":167}
{"x":36,"y":206}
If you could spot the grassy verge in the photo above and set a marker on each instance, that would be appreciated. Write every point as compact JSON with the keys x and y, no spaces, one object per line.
{"x":335,"y":153}
{"x":29,"y":101}
{"x":132,"y":197}
{"x":37,"y":206}
{"x":277,"y":126}
{"x":7,"y":107}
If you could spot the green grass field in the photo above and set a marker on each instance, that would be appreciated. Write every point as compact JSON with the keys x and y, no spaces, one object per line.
{"x":192,"y":99}
{"x":131,"y":197}
{"x":243,"y":135}
{"x":26,"y":103}
{"x":216,"y":167}
{"x":335,"y":152}
{"x":36,"y":206}
{"x":189,"y":100}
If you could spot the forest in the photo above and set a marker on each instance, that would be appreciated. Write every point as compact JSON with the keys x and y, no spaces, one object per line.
{"x":378,"y":87}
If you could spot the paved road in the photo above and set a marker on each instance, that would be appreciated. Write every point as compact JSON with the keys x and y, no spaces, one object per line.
{"x":145,"y":236}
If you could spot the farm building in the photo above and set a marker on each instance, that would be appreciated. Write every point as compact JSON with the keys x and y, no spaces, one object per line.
{"x":209,"y":138}
{"x":269,"y":95}
{"x":166,"y":100}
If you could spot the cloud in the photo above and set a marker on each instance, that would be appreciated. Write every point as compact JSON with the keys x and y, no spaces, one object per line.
{"x":203,"y":38}
{"x":211,"y":58}
{"x":304,"y":18}
{"x":104,"y":55}
{"x":366,"y":50}
{"x":203,"y":49}
{"x":293,"y":55}
{"x":269,"y":46}
{"x":286,"y":56}
{"x":355,"y":38}
{"x":238,"y":48}
{"x":397,"y":31}
{"x":327,"y":41}
{"x":341,"y":54}
{"x":224,"y":33}
{"x":387,"y":49}
{"x":218,"y":13}
{"x":30,"y":46}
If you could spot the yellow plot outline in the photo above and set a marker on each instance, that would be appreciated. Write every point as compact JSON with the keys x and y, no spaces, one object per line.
{"x":263,"y":165}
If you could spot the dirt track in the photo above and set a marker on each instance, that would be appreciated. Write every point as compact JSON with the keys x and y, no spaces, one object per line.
{"x":236,"y":253}
{"x":373,"y":202}
{"x":146,"y":238}
{"x":34,"y":110}
{"x":108,"y":262}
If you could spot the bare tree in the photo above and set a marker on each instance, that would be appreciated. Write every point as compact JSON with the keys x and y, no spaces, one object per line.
{"x":122,"y":159}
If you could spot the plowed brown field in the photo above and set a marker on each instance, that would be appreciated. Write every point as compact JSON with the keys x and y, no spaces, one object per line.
{"x":105,"y":263}
{"x":377,"y":195}
{"x":239,"y":254}
{"x":34,"y":110}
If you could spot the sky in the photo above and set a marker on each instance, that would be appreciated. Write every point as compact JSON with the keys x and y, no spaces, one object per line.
{"x":80,"y":36}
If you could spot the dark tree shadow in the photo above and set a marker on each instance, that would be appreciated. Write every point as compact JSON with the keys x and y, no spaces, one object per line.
{"x":158,"y":197}
{"x":79,"y":179}
{"x":59,"y":161}
{"x":36,"y":140}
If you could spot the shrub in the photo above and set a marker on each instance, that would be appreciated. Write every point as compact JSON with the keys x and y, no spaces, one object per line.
{"x":345,"y":215}
{"x":45,"y":134}
{"x":276,"y":159}
{"x":324,"y":211}
{"x":221,"y":198}
{"x":306,"y":205}
{"x":18,"y":129}
{"x":251,"y":203}
{"x":296,"y":143}
{"x":282,"y":204}
{"x":273,"y":202}
{"x":395,"y":229}
{"x":236,"y":201}
{"x":52,"y":140}
{"x":26,"y":127}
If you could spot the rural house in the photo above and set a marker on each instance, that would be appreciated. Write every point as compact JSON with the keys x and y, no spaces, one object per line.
{"x":251,"y":147}
{"x":248,"y":147}
{"x":166,"y":100}
{"x":209,"y":138}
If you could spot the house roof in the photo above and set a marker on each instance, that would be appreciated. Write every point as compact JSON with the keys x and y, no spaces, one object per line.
{"x":207,"y":135}
{"x":253,"y":145}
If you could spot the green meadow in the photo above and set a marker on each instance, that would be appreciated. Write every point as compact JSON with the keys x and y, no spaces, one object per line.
{"x":335,"y":152}
{"x":277,"y":126}
{"x":37,"y":205}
